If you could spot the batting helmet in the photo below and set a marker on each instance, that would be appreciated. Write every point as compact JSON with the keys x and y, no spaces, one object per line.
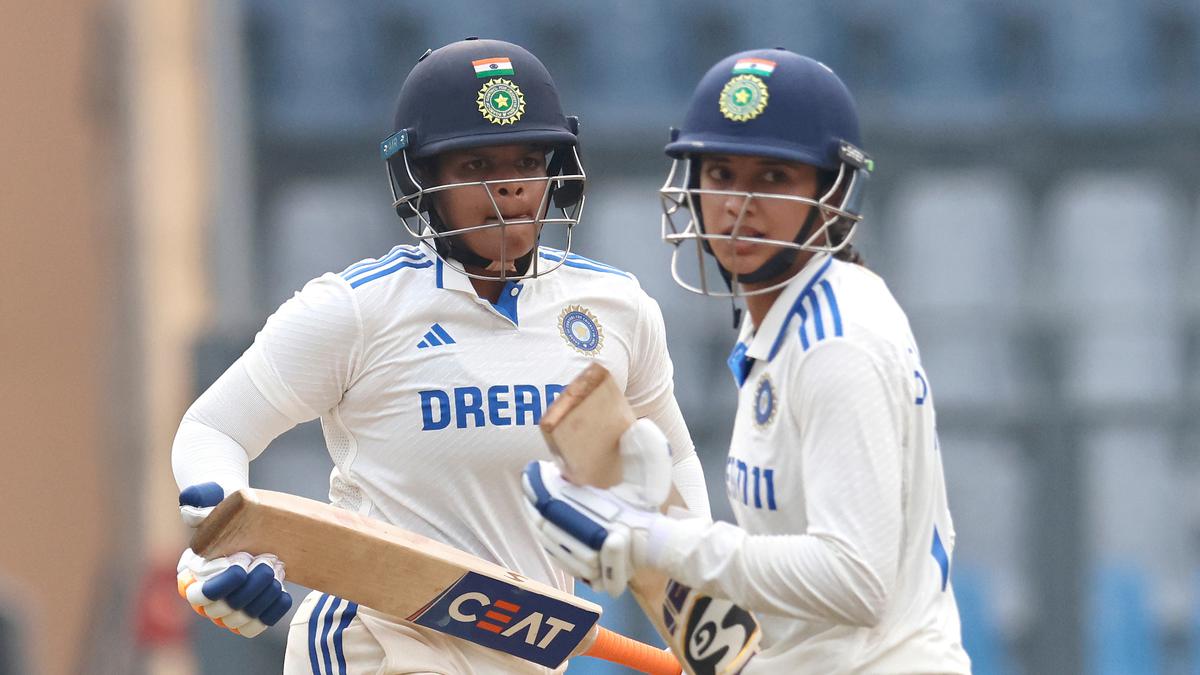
{"x":476,"y":93}
{"x":768,"y":103}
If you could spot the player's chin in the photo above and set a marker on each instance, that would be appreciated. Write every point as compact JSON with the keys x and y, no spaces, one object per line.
{"x":510,"y":243}
{"x":741,"y":257}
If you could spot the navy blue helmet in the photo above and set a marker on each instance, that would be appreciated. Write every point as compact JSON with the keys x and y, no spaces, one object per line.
{"x":768,"y":103}
{"x":475,"y":93}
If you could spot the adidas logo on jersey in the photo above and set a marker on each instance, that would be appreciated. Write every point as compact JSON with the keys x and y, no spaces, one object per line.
{"x":435,"y":337}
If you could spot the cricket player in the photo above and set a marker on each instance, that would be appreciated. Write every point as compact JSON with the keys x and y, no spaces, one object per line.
{"x":431,"y":366}
{"x":844,"y":541}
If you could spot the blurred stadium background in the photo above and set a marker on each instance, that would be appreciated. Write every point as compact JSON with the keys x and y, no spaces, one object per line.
{"x":174,"y":170}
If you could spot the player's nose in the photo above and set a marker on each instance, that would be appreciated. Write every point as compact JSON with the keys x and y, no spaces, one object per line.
{"x":738,"y":203}
{"x":510,"y":190}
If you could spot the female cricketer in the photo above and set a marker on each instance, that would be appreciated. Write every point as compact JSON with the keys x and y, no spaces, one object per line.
{"x":844,"y":541}
{"x":431,"y":367}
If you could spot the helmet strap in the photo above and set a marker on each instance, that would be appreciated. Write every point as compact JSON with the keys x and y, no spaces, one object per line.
{"x":451,"y":247}
{"x":783,"y":259}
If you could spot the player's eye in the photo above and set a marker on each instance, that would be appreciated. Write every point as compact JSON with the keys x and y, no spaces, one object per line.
{"x":531,"y":162}
{"x":717,"y":173}
{"x":474,"y":165}
{"x":775,"y":176}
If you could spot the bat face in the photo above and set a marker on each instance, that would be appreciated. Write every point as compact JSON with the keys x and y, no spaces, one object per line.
{"x":710,"y":636}
{"x":509,"y":618}
{"x":402,"y":574}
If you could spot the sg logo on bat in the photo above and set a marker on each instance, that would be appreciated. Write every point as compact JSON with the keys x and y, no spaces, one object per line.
{"x":508,"y":618}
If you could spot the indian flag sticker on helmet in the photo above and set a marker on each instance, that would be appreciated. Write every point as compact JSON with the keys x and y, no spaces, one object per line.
{"x":492,"y":67}
{"x":743,"y":98}
{"x":500,"y":101}
{"x":760,"y":67}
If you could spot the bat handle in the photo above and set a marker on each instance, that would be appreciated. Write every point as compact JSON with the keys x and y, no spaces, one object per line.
{"x":630,"y":653}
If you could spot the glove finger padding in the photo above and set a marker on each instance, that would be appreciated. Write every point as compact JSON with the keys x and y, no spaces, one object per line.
{"x":578,"y":560}
{"x":240,"y":592}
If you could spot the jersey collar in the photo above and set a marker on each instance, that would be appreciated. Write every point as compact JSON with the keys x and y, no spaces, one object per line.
{"x":763,"y":342}
{"x":506,"y":306}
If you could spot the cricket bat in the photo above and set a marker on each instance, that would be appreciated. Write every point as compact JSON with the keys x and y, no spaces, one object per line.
{"x":420,"y":580}
{"x":711,"y":636}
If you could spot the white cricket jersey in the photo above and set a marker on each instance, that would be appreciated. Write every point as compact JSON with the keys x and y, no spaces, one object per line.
{"x":835,"y":447}
{"x":429,"y":396}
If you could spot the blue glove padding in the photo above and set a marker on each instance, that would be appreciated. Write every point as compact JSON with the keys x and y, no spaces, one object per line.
{"x":197,"y":501}
{"x":240,"y":592}
{"x":595,"y":534}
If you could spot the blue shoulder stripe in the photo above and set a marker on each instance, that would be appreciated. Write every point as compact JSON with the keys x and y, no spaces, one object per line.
{"x":797,"y":309}
{"x":579,"y":262}
{"x":390,"y":270}
{"x":578,"y":258}
{"x":833,"y":307}
{"x":370,"y":265}
{"x":370,"y":261}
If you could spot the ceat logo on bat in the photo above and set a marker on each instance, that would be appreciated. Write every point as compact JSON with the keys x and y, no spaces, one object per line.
{"x":508,"y":618}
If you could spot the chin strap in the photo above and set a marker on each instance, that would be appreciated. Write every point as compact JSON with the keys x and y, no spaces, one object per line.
{"x":448,"y":247}
{"x":776,"y":264}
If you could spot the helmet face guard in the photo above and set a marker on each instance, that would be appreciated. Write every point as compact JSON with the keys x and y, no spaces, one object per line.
{"x":774,"y":104}
{"x":561,"y":206}
{"x":474,"y":94}
{"x":682,"y":222}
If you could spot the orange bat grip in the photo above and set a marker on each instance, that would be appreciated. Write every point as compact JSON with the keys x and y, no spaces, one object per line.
{"x":630,"y":653}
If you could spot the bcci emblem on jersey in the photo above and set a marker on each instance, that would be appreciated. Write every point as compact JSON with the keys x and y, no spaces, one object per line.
{"x":500,"y":101}
{"x":581,"y":330}
{"x":765,"y":403}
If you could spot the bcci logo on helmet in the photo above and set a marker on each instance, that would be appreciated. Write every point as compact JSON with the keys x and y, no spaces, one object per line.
{"x":501,"y":101}
{"x":743,"y":98}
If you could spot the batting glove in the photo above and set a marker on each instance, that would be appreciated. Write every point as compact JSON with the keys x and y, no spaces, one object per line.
{"x":604,"y":536}
{"x":240,"y":592}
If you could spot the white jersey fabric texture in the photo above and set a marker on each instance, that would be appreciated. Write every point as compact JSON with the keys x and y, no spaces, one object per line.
{"x":429,"y":396}
{"x":835,"y":478}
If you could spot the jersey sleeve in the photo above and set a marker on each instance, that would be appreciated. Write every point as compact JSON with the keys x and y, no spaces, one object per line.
{"x":299,"y":365}
{"x":306,"y":355}
{"x":227,"y":427}
{"x":651,"y":392}
{"x":842,"y":568}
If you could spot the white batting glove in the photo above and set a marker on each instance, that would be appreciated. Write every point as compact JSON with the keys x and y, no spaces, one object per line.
{"x":604,"y":536}
{"x":240,"y":592}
